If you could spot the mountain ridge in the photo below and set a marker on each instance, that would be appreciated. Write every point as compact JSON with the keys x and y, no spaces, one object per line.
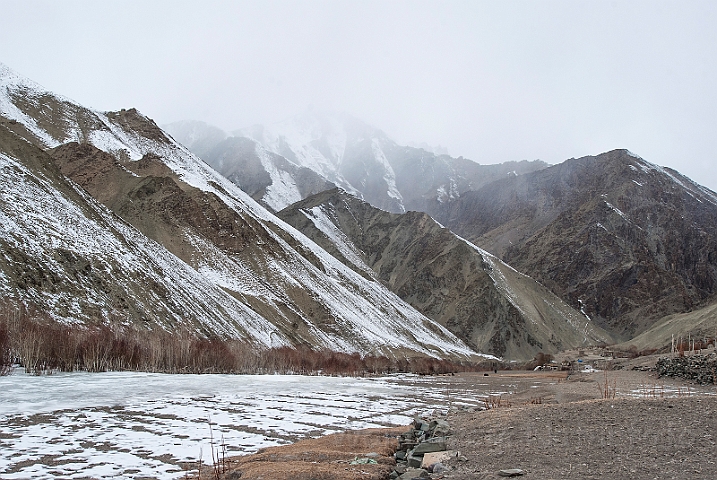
{"x":629,"y":240}
{"x":485,"y":302}
{"x":344,"y":152}
{"x":313,"y":299}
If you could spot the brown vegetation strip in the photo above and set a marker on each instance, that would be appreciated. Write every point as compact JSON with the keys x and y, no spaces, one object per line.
{"x":42,"y":344}
{"x":327,"y":457}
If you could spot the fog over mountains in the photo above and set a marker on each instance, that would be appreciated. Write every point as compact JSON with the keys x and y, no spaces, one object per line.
{"x":321,"y":231}
{"x":284,"y":163}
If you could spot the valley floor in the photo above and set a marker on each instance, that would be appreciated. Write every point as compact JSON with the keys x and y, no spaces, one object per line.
{"x":651,"y":429}
{"x":548,"y":424}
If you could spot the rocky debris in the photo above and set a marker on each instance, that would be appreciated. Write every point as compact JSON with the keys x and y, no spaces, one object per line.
{"x":643,"y":368}
{"x":413,"y":473}
{"x":697,"y":368}
{"x":422,"y":449}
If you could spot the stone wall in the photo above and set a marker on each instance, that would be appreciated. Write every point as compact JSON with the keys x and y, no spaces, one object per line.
{"x":697,"y":368}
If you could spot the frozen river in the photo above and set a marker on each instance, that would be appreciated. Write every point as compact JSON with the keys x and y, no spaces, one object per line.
{"x":130,"y":424}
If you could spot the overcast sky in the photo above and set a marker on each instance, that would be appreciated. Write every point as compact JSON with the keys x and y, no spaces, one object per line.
{"x":491,"y":81}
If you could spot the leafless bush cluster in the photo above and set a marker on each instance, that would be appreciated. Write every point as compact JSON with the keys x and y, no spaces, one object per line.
{"x":496,"y":401}
{"x":607,"y":391}
{"x":41,"y":345}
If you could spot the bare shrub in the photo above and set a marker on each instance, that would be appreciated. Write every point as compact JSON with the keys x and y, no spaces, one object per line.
{"x":607,"y":391}
{"x":42,"y":345}
{"x":495,"y":401}
{"x":5,"y":352}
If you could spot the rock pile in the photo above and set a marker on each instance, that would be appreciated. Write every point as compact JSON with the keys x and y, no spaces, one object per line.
{"x":698,"y":368}
{"x":422,"y":450}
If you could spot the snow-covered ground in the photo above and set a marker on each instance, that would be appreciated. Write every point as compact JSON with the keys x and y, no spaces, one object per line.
{"x":132,"y":424}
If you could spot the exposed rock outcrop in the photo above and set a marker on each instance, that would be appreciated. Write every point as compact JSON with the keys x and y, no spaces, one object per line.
{"x":625,"y":240}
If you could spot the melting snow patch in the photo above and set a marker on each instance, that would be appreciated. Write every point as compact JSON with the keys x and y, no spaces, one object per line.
{"x":322,"y":221}
{"x":283,"y":190}
{"x":389,"y":175}
{"x":616,"y":210}
{"x":130,"y":424}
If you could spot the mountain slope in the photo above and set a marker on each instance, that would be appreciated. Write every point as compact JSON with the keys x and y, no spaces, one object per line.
{"x":198,"y":137}
{"x":697,"y":325}
{"x":343,"y":151}
{"x":629,"y":241}
{"x":267,"y":266}
{"x":69,"y":256}
{"x":479,"y":298}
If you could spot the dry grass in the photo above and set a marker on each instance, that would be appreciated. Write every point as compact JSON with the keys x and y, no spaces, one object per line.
{"x":327,"y":457}
{"x":496,"y":401}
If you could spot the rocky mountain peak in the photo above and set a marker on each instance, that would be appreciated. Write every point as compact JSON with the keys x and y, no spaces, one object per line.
{"x":292,"y":157}
{"x":630,"y":240}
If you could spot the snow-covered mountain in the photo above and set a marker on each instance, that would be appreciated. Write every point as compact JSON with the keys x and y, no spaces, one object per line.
{"x":485,"y":302}
{"x":66,"y":254}
{"x":283,"y":163}
{"x":201,"y":248}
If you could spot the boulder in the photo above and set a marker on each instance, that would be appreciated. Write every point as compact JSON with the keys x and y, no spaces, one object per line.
{"x":511,"y":472}
{"x":432,"y":458}
{"x":440,"y":428}
{"x":412,"y":473}
{"x":435,"y":444}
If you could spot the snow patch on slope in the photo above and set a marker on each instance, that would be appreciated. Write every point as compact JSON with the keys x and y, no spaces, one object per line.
{"x":450,"y":193}
{"x":321,"y":220}
{"x":690,"y":186}
{"x":300,"y":135}
{"x":389,"y":176}
{"x":13,"y":84}
{"x":496,"y":267}
{"x":283,"y":190}
{"x":39,"y":220}
{"x":616,"y":210}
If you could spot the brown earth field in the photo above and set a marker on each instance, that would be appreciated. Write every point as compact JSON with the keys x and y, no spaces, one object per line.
{"x":550,"y":425}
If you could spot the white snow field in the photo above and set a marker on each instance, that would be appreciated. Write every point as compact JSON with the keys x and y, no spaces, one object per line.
{"x":133,"y":424}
